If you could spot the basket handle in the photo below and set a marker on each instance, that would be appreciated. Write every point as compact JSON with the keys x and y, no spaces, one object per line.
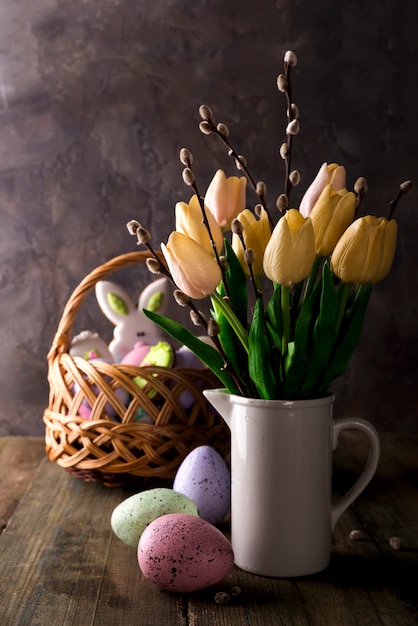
{"x":62,"y":337}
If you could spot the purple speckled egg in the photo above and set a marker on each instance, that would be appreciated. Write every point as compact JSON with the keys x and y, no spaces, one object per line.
{"x":183,"y":553}
{"x":204,"y":477}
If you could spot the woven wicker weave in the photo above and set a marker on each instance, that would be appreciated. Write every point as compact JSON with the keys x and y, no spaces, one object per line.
{"x":113,"y":450}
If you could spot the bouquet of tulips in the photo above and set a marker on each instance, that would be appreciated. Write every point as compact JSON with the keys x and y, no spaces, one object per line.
{"x":288,"y":299}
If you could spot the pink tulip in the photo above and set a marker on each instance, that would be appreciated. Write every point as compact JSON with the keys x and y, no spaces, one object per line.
{"x":225,"y":197}
{"x":328,"y":174}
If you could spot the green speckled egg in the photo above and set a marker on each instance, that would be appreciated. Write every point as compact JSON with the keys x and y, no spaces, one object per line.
{"x":130,"y":518}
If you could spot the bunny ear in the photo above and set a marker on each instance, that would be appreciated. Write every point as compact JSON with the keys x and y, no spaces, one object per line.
{"x":114,"y":302}
{"x":155,"y":296}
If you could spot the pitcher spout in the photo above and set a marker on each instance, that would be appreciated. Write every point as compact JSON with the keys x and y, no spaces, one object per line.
{"x":220,"y":399}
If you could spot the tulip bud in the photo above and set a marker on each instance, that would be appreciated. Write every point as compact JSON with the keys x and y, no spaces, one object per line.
{"x":256,"y":234}
{"x":365,"y":252}
{"x":331,"y":214}
{"x":334,"y":174}
{"x":194,"y":270}
{"x":225,"y":197}
{"x":189,"y":222}
{"x":290,"y":253}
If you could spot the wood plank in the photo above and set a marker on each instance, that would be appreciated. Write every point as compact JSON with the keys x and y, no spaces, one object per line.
{"x":361,"y":585}
{"x":19,"y":459}
{"x":388,"y":508}
{"x":61,"y":564}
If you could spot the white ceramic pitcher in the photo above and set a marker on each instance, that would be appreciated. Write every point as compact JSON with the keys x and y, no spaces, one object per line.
{"x":281,"y":463}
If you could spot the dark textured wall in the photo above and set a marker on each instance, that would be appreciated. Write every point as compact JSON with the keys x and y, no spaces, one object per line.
{"x":98,"y":96}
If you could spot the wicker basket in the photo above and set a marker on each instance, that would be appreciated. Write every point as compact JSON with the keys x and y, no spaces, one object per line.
{"x":118,"y":449}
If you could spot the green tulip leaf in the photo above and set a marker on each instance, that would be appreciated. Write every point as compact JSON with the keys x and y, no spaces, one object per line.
{"x":205,"y":352}
{"x":295,"y":364}
{"x":306,"y":319}
{"x":259,"y":363}
{"x":348,"y":337}
{"x":323,"y":334}
{"x":273,"y":317}
{"x":230,"y":343}
{"x":237,"y":285}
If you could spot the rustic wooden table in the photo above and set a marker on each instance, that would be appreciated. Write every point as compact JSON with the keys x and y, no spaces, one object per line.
{"x":60,"y":563}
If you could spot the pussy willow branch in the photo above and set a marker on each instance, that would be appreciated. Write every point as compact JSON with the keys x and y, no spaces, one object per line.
{"x":289,"y":137}
{"x":257,"y":292}
{"x":241,"y":162}
{"x":215,"y":339}
{"x":212,"y":242}
{"x":403,"y":189}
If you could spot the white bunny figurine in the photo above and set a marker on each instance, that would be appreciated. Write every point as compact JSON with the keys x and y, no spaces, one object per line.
{"x":131,"y":325}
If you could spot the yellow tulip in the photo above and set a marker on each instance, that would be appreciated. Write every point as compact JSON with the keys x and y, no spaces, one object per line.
{"x":331,"y":214}
{"x":332,"y":174}
{"x":256,"y":233}
{"x":225,"y":197}
{"x":189,"y":221}
{"x":193,"y":269}
{"x":365,"y":252}
{"x":290,"y":253}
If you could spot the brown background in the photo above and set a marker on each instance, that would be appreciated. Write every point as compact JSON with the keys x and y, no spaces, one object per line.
{"x":96,"y":99}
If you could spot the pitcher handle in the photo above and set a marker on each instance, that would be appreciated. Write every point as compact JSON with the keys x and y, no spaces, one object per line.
{"x":369,"y":469}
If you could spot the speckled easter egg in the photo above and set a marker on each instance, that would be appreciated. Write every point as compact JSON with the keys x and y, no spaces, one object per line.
{"x":204,"y":477}
{"x":184,"y":553}
{"x":130,"y":518}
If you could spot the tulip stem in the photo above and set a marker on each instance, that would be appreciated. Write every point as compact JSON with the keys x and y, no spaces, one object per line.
{"x":310,"y":283}
{"x":344,"y":292}
{"x":285,"y":305}
{"x":236,"y":325}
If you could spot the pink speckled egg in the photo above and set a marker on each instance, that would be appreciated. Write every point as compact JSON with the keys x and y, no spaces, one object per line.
{"x":204,"y":477}
{"x":183,"y":553}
